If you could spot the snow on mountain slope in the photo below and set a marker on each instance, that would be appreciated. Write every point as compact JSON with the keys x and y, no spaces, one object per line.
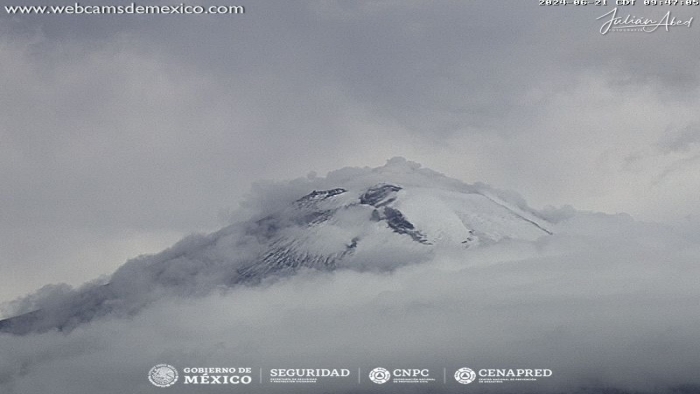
{"x":363,"y":219}
{"x":452,"y":217}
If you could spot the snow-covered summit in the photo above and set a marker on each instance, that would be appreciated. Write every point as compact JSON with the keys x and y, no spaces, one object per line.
{"x":354,"y":218}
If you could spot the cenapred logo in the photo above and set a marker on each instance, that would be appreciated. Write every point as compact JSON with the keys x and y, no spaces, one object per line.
{"x":379,"y":375}
{"x":465,"y":375}
{"x":163,"y":375}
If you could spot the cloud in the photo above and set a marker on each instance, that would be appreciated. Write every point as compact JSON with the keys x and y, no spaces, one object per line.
{"x":680,"y":140}
{"x":600,"y":310}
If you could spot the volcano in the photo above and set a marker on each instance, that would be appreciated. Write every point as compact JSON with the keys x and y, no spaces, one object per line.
{"x":355,"y":218}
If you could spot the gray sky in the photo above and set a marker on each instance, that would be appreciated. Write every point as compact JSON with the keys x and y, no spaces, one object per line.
{"x":121,"y":134}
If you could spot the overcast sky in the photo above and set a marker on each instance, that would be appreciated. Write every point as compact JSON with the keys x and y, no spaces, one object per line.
{"x":121,"y":134}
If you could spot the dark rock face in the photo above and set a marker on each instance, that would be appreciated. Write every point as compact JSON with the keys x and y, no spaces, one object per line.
{"x":317,"y":195}
{"x":400,"y":225}
{"x":398,"y":222}
{"x":379,"y":195}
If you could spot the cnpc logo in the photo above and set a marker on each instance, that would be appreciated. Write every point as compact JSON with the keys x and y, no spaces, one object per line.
{"x":379,"y":375}
{"x":382,"y":375}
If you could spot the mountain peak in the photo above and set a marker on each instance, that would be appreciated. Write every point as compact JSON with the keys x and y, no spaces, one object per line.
{"x":360,"y":219}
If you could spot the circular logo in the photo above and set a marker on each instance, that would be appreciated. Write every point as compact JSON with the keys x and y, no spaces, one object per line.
{"x":465,"y":375}
{"x":379,"y":375}
{"x":163,"y":375}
